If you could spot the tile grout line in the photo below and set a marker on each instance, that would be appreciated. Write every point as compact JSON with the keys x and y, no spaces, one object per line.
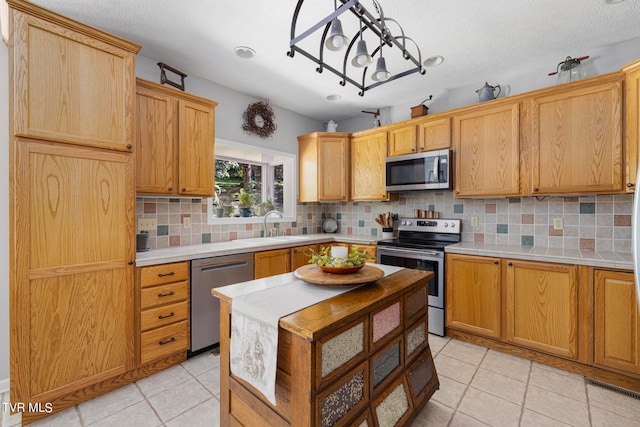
{"x":146,"y":399}
{"x":526,"y":391}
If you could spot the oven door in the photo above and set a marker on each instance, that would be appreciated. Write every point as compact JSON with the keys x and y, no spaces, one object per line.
{"x":427,"y":261}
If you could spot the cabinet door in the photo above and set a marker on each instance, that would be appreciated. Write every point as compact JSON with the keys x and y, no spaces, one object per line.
{"x":155,"y":142}
{"x":576,"y":140}
{"x":403,"y":140}
{"x":368,"y":155}
{"x":195,"y":149}
{"x":86,"y":98}
{"x":473,"y":294}
{"x":542,"y":307}
{"x":632,"y":125}
{"x":371,"y":250}
{"x":333,"y":168}
{"x":72,"y":268}
{"x":616,"y":321}
{"x":300,"y":255}
{"x":434,"y":134}
{"x":307,"y":168}
{"x":487,"y":151}
{"x":271,"y":263}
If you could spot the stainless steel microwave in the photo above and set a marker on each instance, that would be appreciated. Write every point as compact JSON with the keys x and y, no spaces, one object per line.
{"x":430,"y":170}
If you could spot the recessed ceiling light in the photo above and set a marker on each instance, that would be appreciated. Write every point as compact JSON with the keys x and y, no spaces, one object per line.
{"x":433,"y":61}
{"x":613,"y":1}
{"x":333,"y":97}
{"x":245,"y":52}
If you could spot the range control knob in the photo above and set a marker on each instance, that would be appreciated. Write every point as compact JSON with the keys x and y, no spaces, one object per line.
{"x":408,"y":222}
{"x":446,"y":224}
{"x":453,"y":225}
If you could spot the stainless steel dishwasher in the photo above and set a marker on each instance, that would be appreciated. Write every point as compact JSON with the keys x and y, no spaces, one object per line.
{"x":206,"y":274}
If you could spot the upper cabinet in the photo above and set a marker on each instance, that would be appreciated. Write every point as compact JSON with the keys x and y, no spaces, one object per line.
{"x":63,"y":78}
{"x":175,"y":135}
{"x":576,"y":137}
{"x":487,"y":150}
{"x":368,"y":155}
{"x":403,"y":139}
{"x":323,"y":168}
{"x":424,"y":134}
{"x":632,"y":126}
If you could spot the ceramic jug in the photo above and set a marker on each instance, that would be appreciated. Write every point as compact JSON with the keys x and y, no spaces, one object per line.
{"x":487,"y":92}
{"x":331,"y":126}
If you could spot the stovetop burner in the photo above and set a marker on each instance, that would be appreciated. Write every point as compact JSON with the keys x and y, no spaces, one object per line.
{"x":435,"y":234}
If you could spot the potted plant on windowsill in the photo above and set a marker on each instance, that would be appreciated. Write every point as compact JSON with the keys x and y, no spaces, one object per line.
{"x":217,"y":203}
{"x":245,"y":201}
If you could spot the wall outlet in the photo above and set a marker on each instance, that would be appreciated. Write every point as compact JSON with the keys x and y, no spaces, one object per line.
{"x":146,"y":224}
{"x":186,"y":222}
{"x":474,"y":221}
{"x":558,"y":224}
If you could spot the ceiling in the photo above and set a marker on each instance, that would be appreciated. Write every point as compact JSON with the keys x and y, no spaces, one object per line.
{"x":478,"y":39}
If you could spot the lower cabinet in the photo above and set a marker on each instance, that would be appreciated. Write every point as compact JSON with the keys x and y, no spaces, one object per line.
{"x":164,"y":310}
{"x":300,"y":255}
{"x":542,"y":306}
{"x":473,"y":294}
{"x":616,"y":321}
{"x":271,"y":263}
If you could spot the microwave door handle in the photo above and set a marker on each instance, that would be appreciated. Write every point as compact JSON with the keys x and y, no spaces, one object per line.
{"x":436,"y":169}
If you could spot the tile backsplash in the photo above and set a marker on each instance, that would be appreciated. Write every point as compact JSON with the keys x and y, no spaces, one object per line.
{"x":600,"y":222}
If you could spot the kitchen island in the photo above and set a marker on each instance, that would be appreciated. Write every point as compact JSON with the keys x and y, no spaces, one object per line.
{"x":360,"y":356}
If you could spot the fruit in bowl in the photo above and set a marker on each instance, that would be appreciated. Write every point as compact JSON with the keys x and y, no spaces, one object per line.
{"x":354,"y":261}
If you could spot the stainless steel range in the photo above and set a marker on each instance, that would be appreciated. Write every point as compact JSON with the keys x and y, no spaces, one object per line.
{"x":420,"y":245}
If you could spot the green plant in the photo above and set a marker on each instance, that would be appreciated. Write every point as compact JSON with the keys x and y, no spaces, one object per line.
{"x":245,"y":199}
{"x":324,"y":258}
{"x":216,"y":199}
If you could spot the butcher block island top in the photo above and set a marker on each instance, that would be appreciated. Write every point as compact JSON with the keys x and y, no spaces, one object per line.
{"x":358,"y":357}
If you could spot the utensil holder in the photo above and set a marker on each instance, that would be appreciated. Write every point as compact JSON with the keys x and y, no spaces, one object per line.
{"x":387,"y":233}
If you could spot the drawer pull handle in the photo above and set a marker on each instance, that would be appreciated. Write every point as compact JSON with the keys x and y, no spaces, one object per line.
{"x":167,"y":341}
{"x":167,"y":294}
{"x":166,"y":316}
{"x":166,"y":274}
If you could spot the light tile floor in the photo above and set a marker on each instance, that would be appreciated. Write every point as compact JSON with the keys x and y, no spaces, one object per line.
{"x":478,"y":387}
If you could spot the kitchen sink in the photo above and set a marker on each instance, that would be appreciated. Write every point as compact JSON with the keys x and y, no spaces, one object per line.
{"x":271,"y":240}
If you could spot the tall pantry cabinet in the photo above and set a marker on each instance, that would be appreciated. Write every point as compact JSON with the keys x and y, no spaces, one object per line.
{"x":72,"y":208}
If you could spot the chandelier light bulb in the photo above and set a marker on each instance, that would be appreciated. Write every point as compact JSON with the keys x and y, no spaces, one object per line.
{"x":336,"y":39}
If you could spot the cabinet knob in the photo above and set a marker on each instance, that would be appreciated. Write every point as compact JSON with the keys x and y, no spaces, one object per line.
{"x":457,"y":192}
{"x":510,"y":264}
{"x":129,"y":146}
{"x":535,"y":188}
{"x":170,"y":189}
{"x":183,"y":190}
{"x":167,"y":341}
{"x":130,"y":262}
{"x":496,"y":262}
{"x":630,"y":184}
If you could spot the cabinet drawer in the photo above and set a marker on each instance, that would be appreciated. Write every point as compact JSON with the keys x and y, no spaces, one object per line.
{"x":164,"y":294}
{"x":164,"y":315}
{"x":164,"y":341}
{"x":165,"y":273}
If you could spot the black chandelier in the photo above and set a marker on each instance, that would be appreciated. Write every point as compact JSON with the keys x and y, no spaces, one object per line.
{"x":334,"y":39}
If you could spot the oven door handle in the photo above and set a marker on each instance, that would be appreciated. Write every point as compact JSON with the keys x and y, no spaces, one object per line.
{"x":409,"y":252}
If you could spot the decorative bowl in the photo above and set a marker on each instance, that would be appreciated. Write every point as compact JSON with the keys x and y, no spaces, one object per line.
{"x":340,"y":270}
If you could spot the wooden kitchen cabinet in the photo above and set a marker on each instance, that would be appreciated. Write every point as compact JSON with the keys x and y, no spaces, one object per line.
{"x":473,"y":294}
{"x":632,"y":124}
{"x":542,"y":306}
{"x":434,"y":133}
{"x":616,"y":321}
{"x":371,"y":250}
{"x":323,"y":168}
{"x":576,"y":137}
{"x":403,"y":138}
{"x":300,"y":255}
{"x":163,"y":311}
{"x":174,"y":141}
{"x":71,"y":291}
{"x":270,"y":263}
{"x":368,"y":155}
{"x":70,"y":85}
{"x":487,"y":150}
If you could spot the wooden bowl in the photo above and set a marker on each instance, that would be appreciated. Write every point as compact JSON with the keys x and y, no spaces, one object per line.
{"x":338,"y":270}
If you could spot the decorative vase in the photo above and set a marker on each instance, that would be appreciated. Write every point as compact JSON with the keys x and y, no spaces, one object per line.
{"x":220,"y":212}
{"x":245,"y":211}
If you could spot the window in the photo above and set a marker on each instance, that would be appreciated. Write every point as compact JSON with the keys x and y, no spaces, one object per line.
{"x":250,"y":183}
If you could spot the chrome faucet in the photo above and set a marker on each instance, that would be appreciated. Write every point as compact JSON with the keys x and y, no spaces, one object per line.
{"x":273,"y":212}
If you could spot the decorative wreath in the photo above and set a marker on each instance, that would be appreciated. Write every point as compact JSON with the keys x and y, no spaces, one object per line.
{"x":259,"y":119}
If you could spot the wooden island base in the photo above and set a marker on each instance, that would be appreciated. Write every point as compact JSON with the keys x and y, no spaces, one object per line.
{"x":359,"y":359}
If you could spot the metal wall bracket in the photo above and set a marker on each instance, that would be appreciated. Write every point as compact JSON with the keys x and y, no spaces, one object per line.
{"x":164,"y":79}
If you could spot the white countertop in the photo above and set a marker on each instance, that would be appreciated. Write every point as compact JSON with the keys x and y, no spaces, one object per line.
{"x":535,"y":253}
{"x":206,"y":250}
